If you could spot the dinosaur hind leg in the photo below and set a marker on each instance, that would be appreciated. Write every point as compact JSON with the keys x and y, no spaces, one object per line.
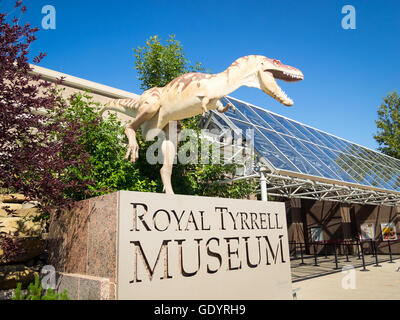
{"x":168,"y":148}
{"x":145,"y":113}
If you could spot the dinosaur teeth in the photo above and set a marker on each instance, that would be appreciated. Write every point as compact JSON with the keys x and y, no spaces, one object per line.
{"x":294,"y":76}
{"x":283,"y":95}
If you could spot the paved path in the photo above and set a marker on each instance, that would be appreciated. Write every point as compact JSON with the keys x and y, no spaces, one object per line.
{"x":327,"y":265}
{"x":379,"y":283}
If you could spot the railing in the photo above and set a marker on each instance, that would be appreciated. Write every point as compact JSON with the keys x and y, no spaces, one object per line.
{"x":340,"y":247}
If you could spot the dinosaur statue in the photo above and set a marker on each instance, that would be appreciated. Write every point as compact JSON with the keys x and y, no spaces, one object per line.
{"x":195,"y":93}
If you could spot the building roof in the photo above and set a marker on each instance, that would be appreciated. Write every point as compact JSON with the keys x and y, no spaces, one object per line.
{"x":82,"y":84}
{"x":304,"y":162}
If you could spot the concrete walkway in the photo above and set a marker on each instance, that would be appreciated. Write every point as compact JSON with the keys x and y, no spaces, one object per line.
{"x":379,"y":283}
{"x":327,"y":265}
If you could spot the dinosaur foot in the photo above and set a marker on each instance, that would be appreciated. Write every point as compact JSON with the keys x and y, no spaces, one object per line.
{"x":132,"y":152}
{"x":168,"y":190}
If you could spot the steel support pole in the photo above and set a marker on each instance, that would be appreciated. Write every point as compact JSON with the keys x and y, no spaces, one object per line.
{"x":301,"y":255}
{"x":363,"y":259}
{"x":263,"y":185}
{"x":346,"y":246}
{"x":336,"y":258}
{"x":358,"y":249}
{"x":315,"y":255}
{"x":376,"y":255}
{"x":372,"y":247}
{"x":390,"y":253}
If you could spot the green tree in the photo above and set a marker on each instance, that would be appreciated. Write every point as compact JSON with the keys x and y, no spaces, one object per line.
{"x":388,"y":123}
{"x":157,"y":65}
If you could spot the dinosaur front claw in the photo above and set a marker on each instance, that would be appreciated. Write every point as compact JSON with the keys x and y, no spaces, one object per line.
{"x":204,"y":111}
{"x":228,"y":106}
{"x":133,"y":147}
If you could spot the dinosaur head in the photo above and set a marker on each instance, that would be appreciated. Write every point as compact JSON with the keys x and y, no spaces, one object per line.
{"x":269,"y":70}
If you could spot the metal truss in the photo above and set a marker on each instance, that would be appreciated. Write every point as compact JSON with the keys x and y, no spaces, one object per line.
{"x":294,"y":187}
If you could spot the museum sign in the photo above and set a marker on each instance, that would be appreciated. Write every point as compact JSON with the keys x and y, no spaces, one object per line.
{"x":188,"y":247}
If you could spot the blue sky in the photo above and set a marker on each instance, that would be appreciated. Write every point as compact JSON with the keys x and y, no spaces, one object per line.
{"x":347,"y":72}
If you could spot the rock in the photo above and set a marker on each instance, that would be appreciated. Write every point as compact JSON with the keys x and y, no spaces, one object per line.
{"x":45,"y":236}
{"x":12,"y":274}
{"x":24,"y":226}
{"x":29,"y":204}
{"x":9,"y":294}
{"x":11,"y":206}
{"x":32,"y":248}
{"x":13,"y":198}
{"x":29,"y":212}
{"x":6,"y":294}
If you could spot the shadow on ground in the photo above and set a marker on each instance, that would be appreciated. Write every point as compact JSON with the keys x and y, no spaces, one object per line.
{"x":309,"y":267}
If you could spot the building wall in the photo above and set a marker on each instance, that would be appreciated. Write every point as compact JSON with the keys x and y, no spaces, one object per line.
{"x":322,"y":214}
{"x":338,"y":222}
{"x":378,"y":215}
{"x":100,"y":93}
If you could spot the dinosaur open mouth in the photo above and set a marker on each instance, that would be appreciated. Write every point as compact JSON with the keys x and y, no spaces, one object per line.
{"x":286,"y":75}
{"x":281,"y":96}
{"x":272,"y":88}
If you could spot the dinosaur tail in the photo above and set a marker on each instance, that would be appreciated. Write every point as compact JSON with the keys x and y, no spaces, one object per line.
{"x":125,"y":106}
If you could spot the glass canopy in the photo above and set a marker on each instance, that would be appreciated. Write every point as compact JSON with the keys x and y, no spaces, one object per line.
{"x":300,"y":150}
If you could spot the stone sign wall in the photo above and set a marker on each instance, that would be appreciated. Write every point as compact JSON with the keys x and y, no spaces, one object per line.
{"x":133,"y":245}
{"x":187,"y":247}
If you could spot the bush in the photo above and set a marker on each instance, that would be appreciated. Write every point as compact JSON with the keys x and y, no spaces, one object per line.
{"x":10,"y":246}
{"x":104,"y":141}
{"x":36,"y":292}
